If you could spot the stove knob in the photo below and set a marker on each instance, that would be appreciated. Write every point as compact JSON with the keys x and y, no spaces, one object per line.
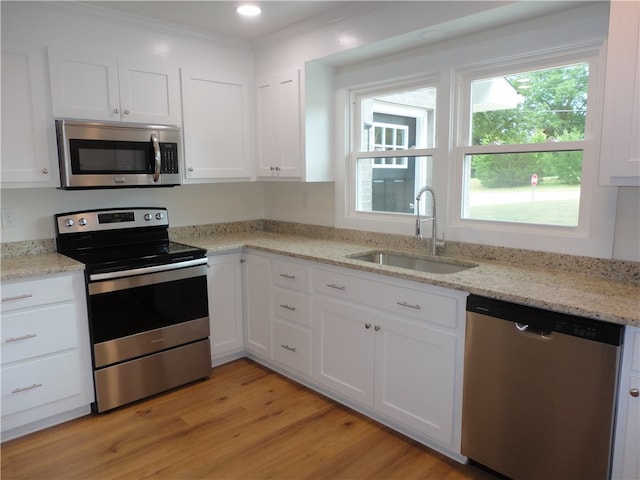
{"x":82,"y":222}
{"x":148,"y":216}
{"x":159,"y":216}
{"x":69,"y":222}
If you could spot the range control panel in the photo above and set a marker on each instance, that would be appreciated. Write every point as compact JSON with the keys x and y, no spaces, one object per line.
{"x":111,"y":219}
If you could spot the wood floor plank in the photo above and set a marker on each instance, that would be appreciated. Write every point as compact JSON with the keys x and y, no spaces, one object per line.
{"x":245,"y":422}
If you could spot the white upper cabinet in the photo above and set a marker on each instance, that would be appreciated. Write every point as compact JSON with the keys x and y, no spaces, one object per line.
{"x":620,"y":144}
{"x":216,"y":122}
{"x":278,"y":109}
{"x":28,"y":137}
{"x":102,"y":87}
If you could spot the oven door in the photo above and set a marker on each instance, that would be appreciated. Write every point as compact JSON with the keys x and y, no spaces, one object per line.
{"x":142,"y":314}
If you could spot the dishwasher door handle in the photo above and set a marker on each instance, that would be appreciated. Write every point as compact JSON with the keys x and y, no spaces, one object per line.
{"x":534,"y":332}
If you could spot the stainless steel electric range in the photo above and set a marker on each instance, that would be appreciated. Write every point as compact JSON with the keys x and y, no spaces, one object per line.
{"x":147,"y":302}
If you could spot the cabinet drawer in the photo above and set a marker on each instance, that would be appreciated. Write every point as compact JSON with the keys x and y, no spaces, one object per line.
{"x":340,"y":285}
{"x":30,"y":293}
{"x":292,"y":346}
{"x":292,"y":306}
{"x":38,"y":331}
{"x":290,"y":275}
{"x":405,"y":301}
{"x":31,"y":384}
{"x":424,"y":306}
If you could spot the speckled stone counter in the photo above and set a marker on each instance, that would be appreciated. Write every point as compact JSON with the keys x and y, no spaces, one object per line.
{"x":568,"y":292}
{"x":544,"y":282}
{"x":26,"y":266}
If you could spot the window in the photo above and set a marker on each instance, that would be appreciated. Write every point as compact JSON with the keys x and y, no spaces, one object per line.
{"x":395,"y":131}
{"x":523,"y":145}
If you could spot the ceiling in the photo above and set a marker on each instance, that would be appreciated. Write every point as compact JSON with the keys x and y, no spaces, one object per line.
{"x":219,"y":18}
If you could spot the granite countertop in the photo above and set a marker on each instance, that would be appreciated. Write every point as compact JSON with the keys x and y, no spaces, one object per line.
{"x":574,"y":293}
{"x":593,"y":297}
{"x":25,"y":266}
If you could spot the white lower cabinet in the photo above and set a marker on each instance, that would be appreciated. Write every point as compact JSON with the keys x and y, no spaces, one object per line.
{"x":626,"y":456}
{"x":406,"y":368}
{"x":46,"y":362}
{"x":291,"y":316}
{"x":224,"y":283}
{"x":257,"y":291}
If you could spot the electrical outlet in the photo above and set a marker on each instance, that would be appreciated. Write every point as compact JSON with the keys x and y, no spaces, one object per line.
{"x":8,"y":218}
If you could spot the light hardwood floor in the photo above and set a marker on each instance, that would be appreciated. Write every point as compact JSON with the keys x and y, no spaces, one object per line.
{"x":245,"y":422}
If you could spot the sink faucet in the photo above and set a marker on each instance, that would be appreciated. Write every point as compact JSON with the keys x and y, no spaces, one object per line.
{"x":434,"y":235}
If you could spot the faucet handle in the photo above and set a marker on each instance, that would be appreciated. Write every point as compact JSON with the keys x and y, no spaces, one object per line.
{"x":440,"y":241}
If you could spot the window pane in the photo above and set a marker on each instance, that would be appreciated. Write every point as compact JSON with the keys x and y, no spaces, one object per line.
{"x":532,"y":107}
{"x":391,"y":188}
{"x":405,"y":119}
{"x":499,"y":187}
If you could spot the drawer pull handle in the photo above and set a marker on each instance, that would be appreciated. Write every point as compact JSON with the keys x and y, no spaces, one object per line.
{"x":288,"y":307}
{"x":287,"y":347}
{"x":25,"y":389}
{"x":337,"y":287}
{"x":288,"y":275}
{"x":23,"y":337}
{"x":17,"y":297}
{"x":409,"y":305}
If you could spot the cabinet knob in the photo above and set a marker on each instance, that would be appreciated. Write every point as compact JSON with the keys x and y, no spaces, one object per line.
{"x":127,"y":111}
{"x":190,"y":169}
{"x":377,"y":328}
{"x":367,"y":326}
{"x":634,"y":392}
{"x":116,"y":111}
{"x":45,"y":171}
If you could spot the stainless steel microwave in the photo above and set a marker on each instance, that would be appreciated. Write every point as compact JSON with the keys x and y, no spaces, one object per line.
{"x":113,"y":155}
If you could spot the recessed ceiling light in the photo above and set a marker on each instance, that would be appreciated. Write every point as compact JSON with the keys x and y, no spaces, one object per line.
{"x":249,"y":10}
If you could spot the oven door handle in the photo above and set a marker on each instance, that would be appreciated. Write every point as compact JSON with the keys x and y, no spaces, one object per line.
{"x":144,"y":270}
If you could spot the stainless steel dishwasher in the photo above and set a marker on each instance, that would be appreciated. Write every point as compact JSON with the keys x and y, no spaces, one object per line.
{"x":539,"y":391}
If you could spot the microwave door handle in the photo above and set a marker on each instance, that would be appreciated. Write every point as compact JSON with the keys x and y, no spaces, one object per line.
{"x":156,"y":155}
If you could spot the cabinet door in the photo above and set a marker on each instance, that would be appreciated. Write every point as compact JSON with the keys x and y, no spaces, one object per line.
{"x":224,"y":283}
{"x":343,"y":349}
{"x":415,"y":372}
{"x":620,"y":144}
{"x":279,"y":125}
{"x":626,"y":461}
{"x":216,"y":126}
{"x":84,"y":85}
{"x":257,"y":281}
{"x":28,"y":138}
{"x":149,"y":92}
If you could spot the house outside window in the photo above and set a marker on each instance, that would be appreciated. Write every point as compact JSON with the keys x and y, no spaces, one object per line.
{"x":395,"y":134}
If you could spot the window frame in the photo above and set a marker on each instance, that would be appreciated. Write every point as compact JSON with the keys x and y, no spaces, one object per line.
{"x":462,"y":143}
{"x":354,"y":123}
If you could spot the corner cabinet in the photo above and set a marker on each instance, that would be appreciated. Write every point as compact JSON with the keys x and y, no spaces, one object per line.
{"x":46,"y":362}
{"x":294,"y":112}
{"x":28,"y":136}
{"x":626,"y":460}
{"x":257,"y":291}
{"x":620,"y":140}
{"x":224,"y":284}
{"x":279,"y":128}
{"x":100,"y":87}
{"x":217,"y":133}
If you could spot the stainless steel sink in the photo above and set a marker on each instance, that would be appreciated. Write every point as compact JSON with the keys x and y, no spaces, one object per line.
{"x":410,"y":262}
